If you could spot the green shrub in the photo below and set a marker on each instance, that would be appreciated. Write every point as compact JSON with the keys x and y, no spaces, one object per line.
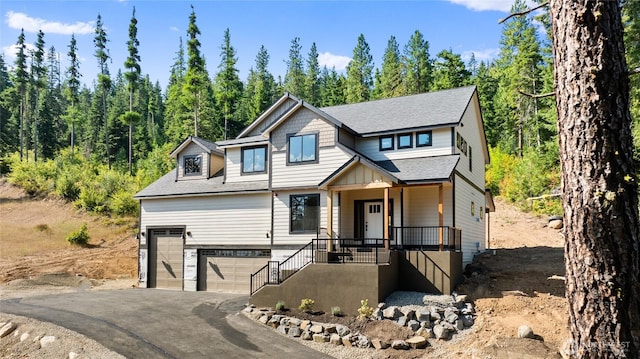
{"x":365,"y":311}
{"x":79,"y":237}
{"x":280,"y":305}
{"x":306,"y":304}
{"x":92,"y":199}
{"x":336,"y":311}
{"x":68,"y":186}
{"x":123,"y":204}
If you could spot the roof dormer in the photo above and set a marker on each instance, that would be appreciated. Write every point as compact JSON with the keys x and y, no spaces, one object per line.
{"x":197,"y":158}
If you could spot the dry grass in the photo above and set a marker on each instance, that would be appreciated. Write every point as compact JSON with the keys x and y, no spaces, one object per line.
{"x":29,"y":226}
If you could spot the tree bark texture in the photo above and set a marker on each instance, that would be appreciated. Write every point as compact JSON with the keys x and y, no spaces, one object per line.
{"x":600,"y":190}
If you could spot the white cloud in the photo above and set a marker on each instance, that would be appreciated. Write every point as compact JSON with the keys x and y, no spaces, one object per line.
{"x":174,"y":28}
{"x":489,"y":5}
{"x":485,"y":55}
{"x":10,"y":52}
{"x":18,"y":20}
{"x":330,"y":60}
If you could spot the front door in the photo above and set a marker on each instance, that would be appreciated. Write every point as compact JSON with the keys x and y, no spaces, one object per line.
{"x":373,"y":223}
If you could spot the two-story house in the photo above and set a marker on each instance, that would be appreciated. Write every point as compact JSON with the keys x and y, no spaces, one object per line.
{"x":404,"y":173}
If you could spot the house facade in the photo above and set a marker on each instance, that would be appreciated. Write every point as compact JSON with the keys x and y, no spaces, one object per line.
{"x":405,"y":172}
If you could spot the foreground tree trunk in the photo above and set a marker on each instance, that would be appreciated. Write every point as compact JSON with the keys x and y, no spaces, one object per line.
{"x":600,"y":189}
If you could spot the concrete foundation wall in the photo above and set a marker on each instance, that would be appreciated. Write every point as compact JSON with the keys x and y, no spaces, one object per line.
{"x":344,"y":285}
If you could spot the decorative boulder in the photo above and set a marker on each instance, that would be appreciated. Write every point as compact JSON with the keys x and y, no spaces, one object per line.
{"x":525,"y":331}
{"x":417,"y":342}
{"x":391,"y":313}
{"x":413,"y":325}
{"x":294,"y":332}
{"x":335,"y":339}
{"x":441,"y":332}
{"x":400,"y":345}
{"x":363,"y":342}
{"x":379,"y":344}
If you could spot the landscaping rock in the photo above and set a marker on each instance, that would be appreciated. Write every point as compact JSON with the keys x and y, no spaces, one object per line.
{"x":468,"y":320}
{"x":555,"y":224}
{"x":316,"y":329}
{"x":379,"y":344}
{"x":335,"y":339}
{"x":46,"y":340}
{"x":306,"y":335}
{"x":413,"y":325}
{"x":320,"y":338}
{"x":294,"y":332}
{"x":451,"y":317}
{"x":441,"y":332}
{"x":459,"y":325}
{"x":330,"y":329}
{"x":391,"y":313}
{"x":402,"y":321}
{"x":342,"y":330}
{"x":363,"y":342}
{"x":434,"y":315}
{"x":283,"y":329}
{"x":255,"y":315}
{"x":423,"y":316}
{"x":425,"y":332}
{"x":7,"y":329}
{"x":525,"y":331}
{"x":305,"y":324}
{"x":264,"y":319}
{"x":409,"y":313}
{"x":417,"y":342}
{"x":24,"y":337}
{"x":347,"y":340}
{"x":295,"y":322}
{"x":400,"y":345}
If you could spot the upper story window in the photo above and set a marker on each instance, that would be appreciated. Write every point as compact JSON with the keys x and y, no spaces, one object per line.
{"x":304,"y":213}
{"x":386,"y":143}
{"x":405,"y":141}
{"x":192,"y":165}
{"x":303,"y":149}
{"x":423,"y":139}
{"x":254,"y":159}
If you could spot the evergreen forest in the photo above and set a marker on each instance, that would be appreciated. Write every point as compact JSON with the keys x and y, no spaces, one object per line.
{"x":96,"y":146}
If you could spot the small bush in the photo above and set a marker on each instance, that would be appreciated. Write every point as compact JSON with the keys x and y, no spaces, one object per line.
{"x":79,"y":237}
{"x":336,"y":311}
{"x":42,"y":228}
{"x":122,"y":203}
{"x":365,"y":311}
{"x":306,"y":304}
{"x":280,"y":305}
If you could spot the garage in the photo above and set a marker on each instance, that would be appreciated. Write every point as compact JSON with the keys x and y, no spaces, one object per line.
{"x":165,"y":258}
{"x":229,"y":270}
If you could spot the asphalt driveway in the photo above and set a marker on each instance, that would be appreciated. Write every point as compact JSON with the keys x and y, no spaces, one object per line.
{"x":151,"y":323}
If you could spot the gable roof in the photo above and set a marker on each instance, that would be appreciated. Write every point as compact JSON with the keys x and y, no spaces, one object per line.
{"x":206,"y":145}
{"x":425,"y":110}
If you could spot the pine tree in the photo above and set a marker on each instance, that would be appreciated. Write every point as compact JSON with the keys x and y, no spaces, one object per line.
{"x":228,"y":88}
{"x":332,"y":87}
{"x":294,"y":78}
{"x":177,"y":115}
{"x":8,"y":118}
{"x":73,"y":89}
{"x":39,"y":71}
{"x":359,"y":73}
{"x":260,"y":91}
{"x":631,"y":21}
{"x":417,"y":65}
{"x":133,"y":76}
{"x":449,"y":71}
{"x":51,"y":128}
{"x":22,"y":80}
{"x":391,"y":77}
{"x":312,"y":87}
{"x":104,"y":80}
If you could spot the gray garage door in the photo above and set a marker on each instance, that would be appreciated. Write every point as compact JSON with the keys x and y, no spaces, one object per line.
{"x":229,"y":270}
{"x":165,"y":259}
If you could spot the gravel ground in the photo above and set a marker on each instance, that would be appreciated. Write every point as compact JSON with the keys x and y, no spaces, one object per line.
{"x":26,"y":341}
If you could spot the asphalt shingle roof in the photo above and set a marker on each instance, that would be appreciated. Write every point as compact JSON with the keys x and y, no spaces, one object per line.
{"x":167,"y":186}
{"x":423,"y":169}
{"x":429,"y":109}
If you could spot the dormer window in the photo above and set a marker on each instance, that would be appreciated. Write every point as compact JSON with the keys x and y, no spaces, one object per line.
{"x":386,"y":143}
{"x":303,"y":149}
{"x":193,"y":165}
{"x":254,"y":160}
{"x":405,"y":141}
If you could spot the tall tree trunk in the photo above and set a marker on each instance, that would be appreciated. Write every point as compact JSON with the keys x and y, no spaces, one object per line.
{"x":21,"y":127}
{"x":35,"y":129}
{"x":106,"y":126}
{"x":600,"y":190}
{"x":73,"y":130}
{"x":130,"y":133}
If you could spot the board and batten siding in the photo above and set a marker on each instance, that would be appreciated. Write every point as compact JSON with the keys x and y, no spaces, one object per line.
{"x":421,"y":206}
{"x":440,"y":145}
{"x":193,"y":149}
{"x":233,"y":169}
{"x":238,"y":219}
{"x":471,"y":223}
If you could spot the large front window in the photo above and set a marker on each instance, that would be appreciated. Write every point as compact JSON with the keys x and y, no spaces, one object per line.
{"x":254,"y":160}
{"x":303,"y":148}
{"x":192,"y":165}
{"x":305,"y":213}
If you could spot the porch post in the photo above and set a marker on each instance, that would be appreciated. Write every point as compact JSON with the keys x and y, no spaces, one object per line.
{"x":385,"y":220}
{"x":330,"y":220}
{"x":440,"y":216}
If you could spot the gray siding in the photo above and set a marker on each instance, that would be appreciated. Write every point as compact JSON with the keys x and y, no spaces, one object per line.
{"x":234,"y":168}
{"x":441,"y":145}
{"x":472,"y":224}
{"x":193,"y":149}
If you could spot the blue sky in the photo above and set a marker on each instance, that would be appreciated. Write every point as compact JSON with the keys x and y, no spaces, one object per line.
{"x":464,"y":26}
